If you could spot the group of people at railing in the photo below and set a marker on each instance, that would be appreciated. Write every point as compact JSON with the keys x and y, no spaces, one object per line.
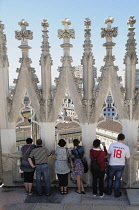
{"x":35,"y":157}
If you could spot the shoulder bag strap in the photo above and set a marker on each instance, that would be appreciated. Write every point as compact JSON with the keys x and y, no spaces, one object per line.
{"x":26,"y":152}
{"x":79,"y":155}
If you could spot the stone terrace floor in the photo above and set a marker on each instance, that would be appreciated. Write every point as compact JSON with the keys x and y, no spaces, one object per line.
{"x":14,"y":198}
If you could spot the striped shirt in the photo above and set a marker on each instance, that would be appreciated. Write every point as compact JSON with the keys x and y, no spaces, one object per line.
{"x":40,"y":155}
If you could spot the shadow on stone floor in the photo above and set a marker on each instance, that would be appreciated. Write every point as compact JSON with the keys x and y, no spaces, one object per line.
{"x":73,"y":198}
{"x":55,"y":197}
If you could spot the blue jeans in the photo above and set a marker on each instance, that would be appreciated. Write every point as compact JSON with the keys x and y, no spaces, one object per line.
{"x":42,"y":170}
{"x":115,"y":171}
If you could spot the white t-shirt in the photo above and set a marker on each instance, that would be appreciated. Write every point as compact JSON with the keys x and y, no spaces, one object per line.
{"x":118,"y":152}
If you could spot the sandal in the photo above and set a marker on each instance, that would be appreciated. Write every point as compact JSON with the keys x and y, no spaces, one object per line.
{"x":61,"y":192}
{"x":77,"y":192}
{"x":65,"y":192}
{"x":30,"y":193}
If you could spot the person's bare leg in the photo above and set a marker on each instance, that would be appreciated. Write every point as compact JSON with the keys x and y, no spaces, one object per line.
{"x":79,"y":183}
{"x":65,"y":190}
{"x":30,"y":188}
{"x":26,"y":187}
{"x":61,"y":190}
{"x":82,"y":187}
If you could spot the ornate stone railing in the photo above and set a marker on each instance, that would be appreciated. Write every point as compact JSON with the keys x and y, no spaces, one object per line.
{"x":11,"y":169}
{"x":12,"y":175}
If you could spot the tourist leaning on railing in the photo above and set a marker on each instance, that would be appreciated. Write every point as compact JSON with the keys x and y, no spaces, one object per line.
{"x":40,"y":154}
{"x":25,"y":165}
{"x":62,"y":167}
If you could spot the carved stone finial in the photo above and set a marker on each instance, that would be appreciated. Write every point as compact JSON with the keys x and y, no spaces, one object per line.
{"x":66,"y":33}
{"x":109,"y":20}
{"x":45,"y":45}
{"x":66,"y":22}
{"x":23,"y":34}
{"x":23,"y":24}
{"x":45,"y":24}
{"x":131,"y":21}
{"x":131,"y":42}
{"x":87,"y":22}
{"x":109,"y":31}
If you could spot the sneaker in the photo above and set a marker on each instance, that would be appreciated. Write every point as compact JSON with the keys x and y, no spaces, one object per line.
{"x":101,"y":196}
{"x":94,"y":195}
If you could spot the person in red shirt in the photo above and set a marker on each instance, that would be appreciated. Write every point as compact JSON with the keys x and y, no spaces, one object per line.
{"x":100,"y":155}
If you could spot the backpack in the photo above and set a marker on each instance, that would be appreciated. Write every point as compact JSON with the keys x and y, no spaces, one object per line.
{"x":95,"y":165}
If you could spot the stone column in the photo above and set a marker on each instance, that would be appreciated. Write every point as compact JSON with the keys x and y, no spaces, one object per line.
{"x":8,"y":146}
{"x":88,"y":136}
{"x":130,"y":127}
{"x":7,"y":131}
{"x":1,"y":168}
{"x":8,"y":140}
{"x":47,"y":130}
{"x":130,"y":130}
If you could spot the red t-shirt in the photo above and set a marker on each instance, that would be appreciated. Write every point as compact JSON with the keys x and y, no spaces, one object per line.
{"x":101,"y":157}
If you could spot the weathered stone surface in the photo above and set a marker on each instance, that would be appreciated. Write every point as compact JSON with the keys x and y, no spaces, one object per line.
{"x":88,"y":103}
{"x":105,"y":207}
{"x":132,"y":195}
{"x":77,"y":207}
{"x":20,"y":207}
{"x":49,"y":206}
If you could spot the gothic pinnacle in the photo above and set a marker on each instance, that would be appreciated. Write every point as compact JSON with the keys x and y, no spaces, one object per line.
{"x":131,"y":21}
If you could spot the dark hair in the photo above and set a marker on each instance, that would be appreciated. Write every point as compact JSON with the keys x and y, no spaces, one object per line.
{"x":96,"y":143}
{"x":121,"y":137}
{"x":61,"y":143}
{"x":29,"y":141}
{"x":76,"y":142}
{"x":39,"y":142}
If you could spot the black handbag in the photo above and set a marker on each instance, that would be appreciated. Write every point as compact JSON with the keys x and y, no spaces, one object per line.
{"x":84,"y":162}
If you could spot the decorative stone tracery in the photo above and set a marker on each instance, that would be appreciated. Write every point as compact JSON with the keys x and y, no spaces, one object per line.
{"x":88,"y":102}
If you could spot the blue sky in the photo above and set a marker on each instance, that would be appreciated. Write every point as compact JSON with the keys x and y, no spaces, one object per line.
{"x":34,"y":11}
